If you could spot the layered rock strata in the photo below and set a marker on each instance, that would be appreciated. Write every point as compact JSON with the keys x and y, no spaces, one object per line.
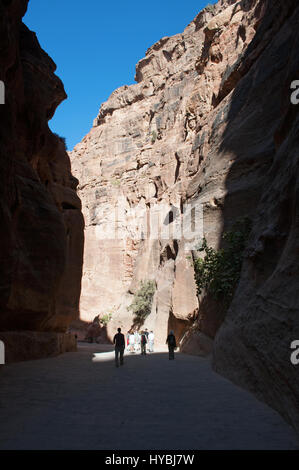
{"x":154,"y":153}
{"x":208,"y":126}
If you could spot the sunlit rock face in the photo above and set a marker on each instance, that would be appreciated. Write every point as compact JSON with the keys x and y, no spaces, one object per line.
{"x":154,"y":152}
{"x":209,"y":124}
{"x":40,"y":212}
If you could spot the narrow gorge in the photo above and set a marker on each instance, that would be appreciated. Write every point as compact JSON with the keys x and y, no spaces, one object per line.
{"x":207,"y":136}
{"x":209,"y":124}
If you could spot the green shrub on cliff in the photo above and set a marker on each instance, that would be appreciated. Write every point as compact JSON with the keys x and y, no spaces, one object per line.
{"x":143,"y":299}
{"x":105,"y":319}
{"x":218,"y":272}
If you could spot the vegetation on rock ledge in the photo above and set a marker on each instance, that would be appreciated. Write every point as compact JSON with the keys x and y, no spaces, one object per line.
{"x":105,"y":319}
{"x":142,"y":303}
{"x":218,"y":272}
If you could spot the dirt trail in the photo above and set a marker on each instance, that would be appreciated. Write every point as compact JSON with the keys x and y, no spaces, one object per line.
{"x":82,"y":401}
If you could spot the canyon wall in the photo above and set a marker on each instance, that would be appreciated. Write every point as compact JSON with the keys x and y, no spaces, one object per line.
{"x":252,"y":347}
{"x":40,"y":212}
{"x":209,"y":128}
{"x":155,"y":152}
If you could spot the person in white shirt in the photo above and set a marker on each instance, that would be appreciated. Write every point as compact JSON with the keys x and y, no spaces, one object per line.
{"x":137,"y":341}
{"x":132,"y":342}
{"x":151,"y":339}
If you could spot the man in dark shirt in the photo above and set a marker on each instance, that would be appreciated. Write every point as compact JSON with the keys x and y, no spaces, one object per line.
{"x":119,"y":341}
{"x":171,"y":341}
{"x":143,"y":343}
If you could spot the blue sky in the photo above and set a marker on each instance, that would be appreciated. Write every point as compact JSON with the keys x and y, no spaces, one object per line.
{"x":96,"y":45}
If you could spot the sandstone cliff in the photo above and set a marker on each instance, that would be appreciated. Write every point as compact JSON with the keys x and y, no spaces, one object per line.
{"x":42,"y":225}
{"x":156,"y":146}
{"x":209,"y":122}
{"x":252,"y":347}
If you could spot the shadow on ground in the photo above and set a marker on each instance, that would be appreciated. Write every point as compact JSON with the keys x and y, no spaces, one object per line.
{"x":82,"y":401}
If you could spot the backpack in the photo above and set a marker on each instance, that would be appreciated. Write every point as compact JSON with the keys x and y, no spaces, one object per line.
{"x":171,"y":340}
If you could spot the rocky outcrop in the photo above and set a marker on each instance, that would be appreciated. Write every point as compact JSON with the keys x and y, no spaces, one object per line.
{"x":40,"y":212}
{"x":196,"y":343}
{"x":207,"y":135}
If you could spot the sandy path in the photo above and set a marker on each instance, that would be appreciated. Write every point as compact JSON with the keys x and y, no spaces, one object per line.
{"x":82,"y":401}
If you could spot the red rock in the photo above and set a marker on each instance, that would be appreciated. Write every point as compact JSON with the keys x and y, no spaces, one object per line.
{"x":210,"y":120}
{"x":40,"y":212}
{"x":158,"y":143}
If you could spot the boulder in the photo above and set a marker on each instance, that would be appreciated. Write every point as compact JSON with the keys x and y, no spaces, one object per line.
{"x":196,"y":343}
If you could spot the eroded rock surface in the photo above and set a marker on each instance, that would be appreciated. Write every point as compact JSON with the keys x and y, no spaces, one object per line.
{"x":156,"y":146}
{"x":209,"y":122}
{"x":40,"y":212}
{"x":253,"y":345}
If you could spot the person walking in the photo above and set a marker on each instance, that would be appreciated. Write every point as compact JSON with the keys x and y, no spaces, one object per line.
{"x":171,"y":341}
{"x":146,"y":334}
{"x":136,"y":341}
{"x":151,"y":339}
{"x":128,"y":341}
{"x":132,"y":342}
{"x":143,"y":343}
{"x":119,"y":341}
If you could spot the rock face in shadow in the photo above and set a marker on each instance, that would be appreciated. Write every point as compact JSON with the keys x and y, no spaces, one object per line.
{"x":252,"y":347}
{"x":31,"y":345}
{"x":41,"y":222}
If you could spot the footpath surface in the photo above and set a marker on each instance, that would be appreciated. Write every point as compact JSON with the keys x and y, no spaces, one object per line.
{"x":82,"y":401}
